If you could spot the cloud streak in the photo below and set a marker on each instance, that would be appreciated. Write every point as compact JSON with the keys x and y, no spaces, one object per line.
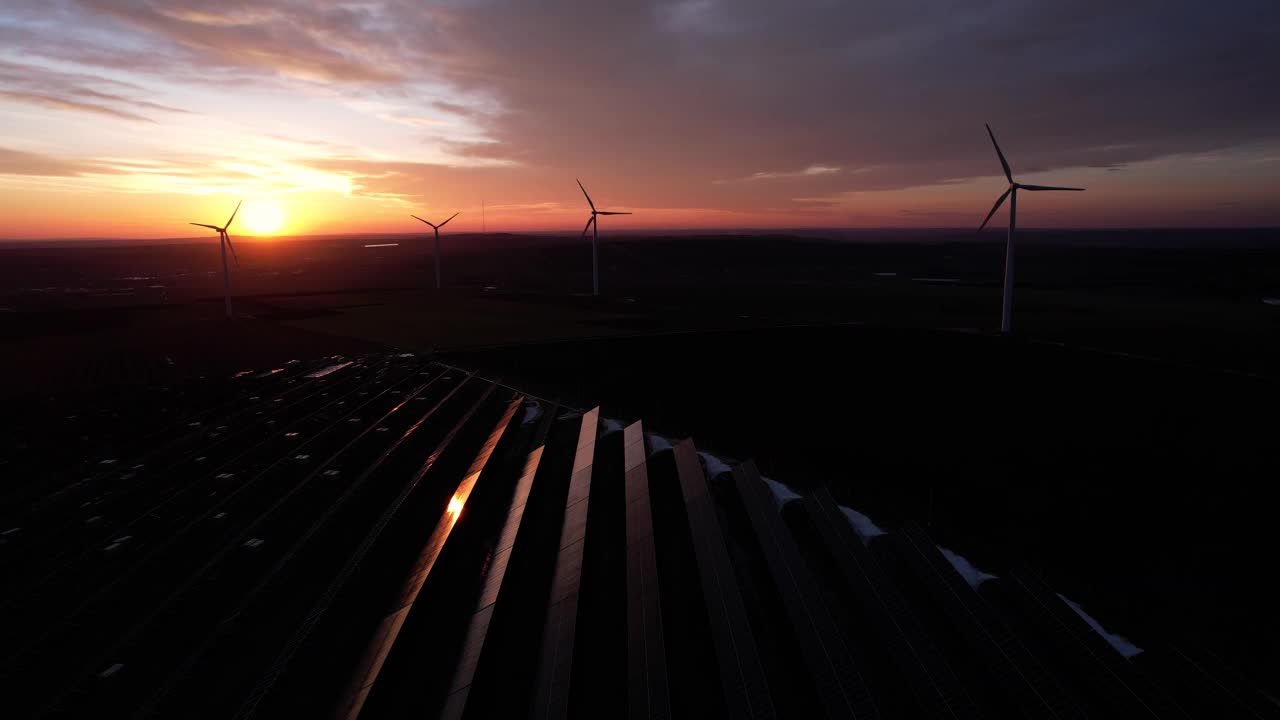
{"x":323,"y":42}
{"x":75,"y":92}
{"x":59,"y":103}
{"x":188,"y":174}
{"x":18,"y":162}
{"x":810,"y":171}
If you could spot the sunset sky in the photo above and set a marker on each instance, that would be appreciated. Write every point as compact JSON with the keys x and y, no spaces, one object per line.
{"x":129,"y":118}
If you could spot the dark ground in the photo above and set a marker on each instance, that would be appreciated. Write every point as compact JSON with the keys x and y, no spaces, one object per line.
{"x":1196,"y":296}
{"x":1143,"y":488}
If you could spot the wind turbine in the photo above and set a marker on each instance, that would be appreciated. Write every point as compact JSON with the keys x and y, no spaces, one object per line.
{"x":1006,"y":312}
{"x":437,"y":251}
{"x":224,"y":241}
{"x":595,"y":234}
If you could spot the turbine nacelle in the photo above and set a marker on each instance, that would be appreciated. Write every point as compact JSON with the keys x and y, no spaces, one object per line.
{"x":1014,"y":186}
{"x":222,"y":232}
{"x":436,"y":229}
{"x":434,"y":226}
{"x":594,"y":211}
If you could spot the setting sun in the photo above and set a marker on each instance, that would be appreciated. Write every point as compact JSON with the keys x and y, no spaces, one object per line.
{"x":262,"y":217}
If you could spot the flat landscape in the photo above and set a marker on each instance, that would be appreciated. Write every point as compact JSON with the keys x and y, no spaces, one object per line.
{"x":1209,"y":298}
{"x":1122,"y":443}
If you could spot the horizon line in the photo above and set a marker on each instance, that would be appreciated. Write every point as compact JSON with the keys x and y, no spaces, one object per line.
{"x":571,"y":234}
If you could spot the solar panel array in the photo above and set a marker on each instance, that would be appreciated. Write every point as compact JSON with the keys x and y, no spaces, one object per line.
{"x":388,"y":536}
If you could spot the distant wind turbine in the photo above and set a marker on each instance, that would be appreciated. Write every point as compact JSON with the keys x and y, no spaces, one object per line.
{"x":437,"y":250}
{"x":1006,"y":312}
{"x":595,"y":233}
{"x":224,"y":241}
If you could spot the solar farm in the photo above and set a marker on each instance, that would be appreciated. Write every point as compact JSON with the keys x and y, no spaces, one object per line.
{"x":388,"y":535}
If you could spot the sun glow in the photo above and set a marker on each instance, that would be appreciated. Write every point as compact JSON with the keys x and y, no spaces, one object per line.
{"x":455,"y":505}
{"x":261,"y":217}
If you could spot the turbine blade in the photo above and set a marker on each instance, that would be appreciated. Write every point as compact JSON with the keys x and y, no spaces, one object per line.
{"x":1035,"y":188}
{"x":211,"y":227}
{"x":994,"y":208}
{"x":233,"y":215}
{"x":415,"y":217}
{"x":603,"y":212}
{"x":446,"y":222}
{"x":1003,"y":163}
{"x":588,"y":225}
{"x":231,"y":247}
{"x":584,"y":192}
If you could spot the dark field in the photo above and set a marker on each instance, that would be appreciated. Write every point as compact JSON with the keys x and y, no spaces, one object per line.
{"x":1123,"y":443}
{"x":1194,"y":296}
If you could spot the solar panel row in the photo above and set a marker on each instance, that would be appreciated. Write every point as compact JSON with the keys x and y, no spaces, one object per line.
{"x":397,"y":537}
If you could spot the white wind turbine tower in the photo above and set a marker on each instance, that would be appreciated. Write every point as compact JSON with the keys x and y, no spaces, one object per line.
{"x":224,"y":240}
{"x":1006,"y":312}
{"x":437,"y":250}
{"x":595,"y":235}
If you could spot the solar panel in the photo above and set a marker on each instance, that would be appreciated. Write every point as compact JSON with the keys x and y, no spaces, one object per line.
{"x":936,"y":688}
{"x":389,"y":629}
{"x":648,"y":693}
{"x":1025,"y":681}
{"x":551,"y":691}
{"x":150,"y":633}
{"x":1107,"y":676}
{"x":746,"y":690}
{"x":478,"y":625}
{"x":841,"y":691}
